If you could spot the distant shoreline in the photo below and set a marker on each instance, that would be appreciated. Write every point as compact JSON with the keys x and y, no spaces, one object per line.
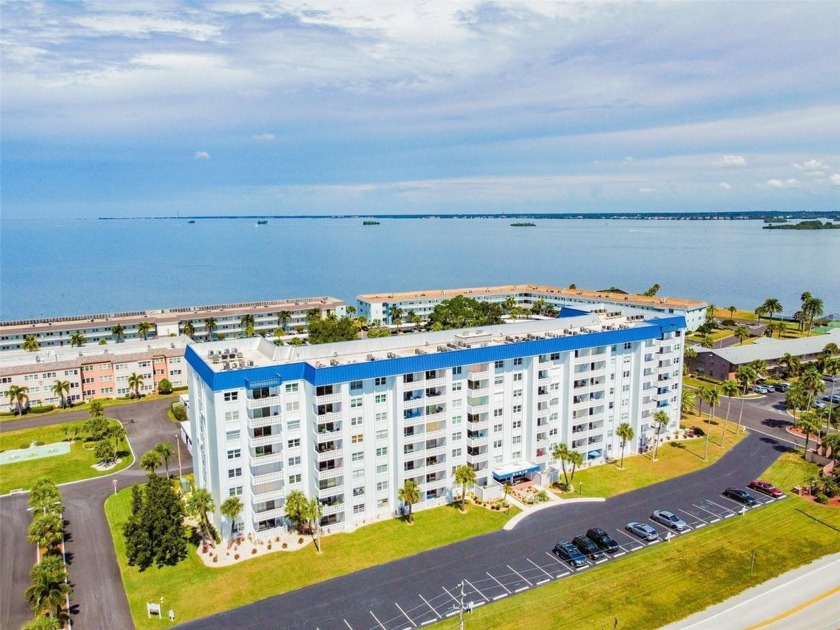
{"x":649,"y":216}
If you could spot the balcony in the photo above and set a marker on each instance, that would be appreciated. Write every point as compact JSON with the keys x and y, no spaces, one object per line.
{"x":258,"y":423}
{"x":433,"y":393}
{"x":434,"y":468}
{"x":333,"y":416}
{"x":267,"y":514}
{"x":440,"y":381}
{"x":259,"y":403}
{"x":433,"y":435}
{"x":327,"y":510}
{"x":477,"y":441}
{"x":328,"y":399}
{"x":327,"y":436}
{"x":258,"y":480}
{"x":330,"y":473}
{"x":437,"y":450}
{"x":262,"y":497}
{"x":413,"y":396}
{"x":325,"y":456}
{"x":265,"y":440}
{"x":268,"y":458}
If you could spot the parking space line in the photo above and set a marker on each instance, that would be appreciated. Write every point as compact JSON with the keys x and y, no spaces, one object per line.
{"x":633,"y":540}
{"x":406,"y":616}
{"x":543,"y":581}
{"x":694,"y":516}
{"x":715,"y":516}
{"x":601,"y":561}
{"x":539,"y":567}
{"x":522,"y":588}
{"x":723,"y":507}
{"x":519,"y":574}
{"x":497,"y":582}
{"x":653,"y":542}
{"x":377,"y":620}
{"x":555,"y":558}
{"x":454,"y":599}
{"x":430,"y":606}
{"x":348,"y":625}
{"x":476,"y":590}
{"x":584,"y":567}
{"x":700,"y":525}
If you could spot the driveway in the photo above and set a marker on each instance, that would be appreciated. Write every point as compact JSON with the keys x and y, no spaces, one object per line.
{"x":99,"y":599}
{"x":422,"y":588}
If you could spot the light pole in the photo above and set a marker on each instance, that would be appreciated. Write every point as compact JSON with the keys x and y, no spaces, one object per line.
{"x":114,"y":482}
{"x":178,"y":446}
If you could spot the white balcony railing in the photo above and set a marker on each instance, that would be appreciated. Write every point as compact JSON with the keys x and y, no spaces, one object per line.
{"x":331,"y":473}
{"x":268,"y":458}
{"x":262,"y":497}
{"x":327,"y":510}
{"x":328,"y":399}
{"x":256,"y":423}
{"x":259,"y":403}
{"x":258,"y":480}
{"x":267,"y":514}
{"x":265,"y":440}
{"x":328,"y":436}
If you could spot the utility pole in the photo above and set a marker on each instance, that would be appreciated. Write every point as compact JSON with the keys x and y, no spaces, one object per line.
{"x":178,"y":446}
{"x":461,"y":606}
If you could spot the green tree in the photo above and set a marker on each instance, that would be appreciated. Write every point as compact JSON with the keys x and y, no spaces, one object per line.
{"x":118,"y":331}
{"x":689,"y":355}
{"x":135,"y":382}
{"x":409,"y":494}
{"x":796,"y":398}
{"x":31,"y":343}
{"x":561,"y":452}
{"x":46,"y":531}
{"x":247,"y":323}
{"x":508,"y":305}
{"x":43,"y":623}
{"x":770,"y":306}
{"x":314,"y":512}
{"x":745,"y":375}
{"x":395,"y":314}
{"x":105,"y":452}
{"x":231,"y":508}
{"x":729,"y":389}
{"x":811,"y":308}
{"x":712,"y":396}
{"x":18,"y":396}
{"x":61,"y":388}
{"x":77,"y":339}
{"x":45,"y":496}
{"x":742,"y":332}
{"x":189,"y":328}
{"x":144,"y":328}
{"x":463,"y":312}
{"x":150,"y":462}
{"x":711,"y":311}
{"x":731,"y":310}
{"x":377,"y":332}
{"x":164,"y":449}
{"x":283,"y":318}
{"x":331,"y":329}
{"x":652,"y":291}
{"x":708,"y":341}
{"x":812,"y":383}
{"x":96,"y":409}
{"x":154,"y":533}
{"x":661,"y":419}
{"x":50,"y":590}
{"x":809,"y":423}
{"x":626,"y":433}
{"x":575,"y":459}
{"x":464,"y":476}
{"x":96,"y":428}
{"x":296,"y":505}
{"x":164,"y":387}
{"x":199,"y":505}
{"x":211,"y":325}
{"x":687,"y":401}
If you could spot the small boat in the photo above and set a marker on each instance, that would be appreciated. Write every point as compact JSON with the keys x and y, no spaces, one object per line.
{"x":263,"y":222}
{"x":370,"y":222}
{"x":190,"y":221}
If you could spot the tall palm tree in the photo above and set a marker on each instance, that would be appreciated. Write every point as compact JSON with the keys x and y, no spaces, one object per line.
{"x":135,"y":382}
{"x":742,"y":332}
{"x":415,"y":319}
{"x":46,"y":531}
{"x":31,"y":343}
{"x":796,"y":398}
{"x":745,"y":375}
{"x":771,"y":306}
{"x":211,"y":325}
{"x":689,"y":354}
{"x":60,"y":388}
{"x":283,"y":318}
{"x":246,"y":322}
{"x":395,"y":313}
{"x":812,"y":383}
{"x":831,"y":367}
{"x":711,"y":311}
{"x":50,"y":590}
{"x":575,"y":459}
{"x":119,"y":332}
{"x":812,"y":307}
{"x":661,"y":419}
{"x":164,"y":449}
{"x":45,"y":496}
{"x":809,"y":423}
{"x":687,"y":401}
{"x":18,"y":396}
{"x":561,"y":452}
{"x":731,"y":310}
{"x":189,"y":328}
{"x":150,"y":462}
{"x":77,"y":339}
{"x":712,"y":396}
{"x":199,"y":505}
{"x":728,"y":389}
{"x":509,"y":304}
{"x":314,"y":512}
{"x":144,"y":328}
{"x":464,"y":476}
{"x":409,"y":494}
{"x":231,"y":508}
{"x":626,"y":433}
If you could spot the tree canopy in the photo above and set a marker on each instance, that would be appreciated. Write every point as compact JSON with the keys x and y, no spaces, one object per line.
{"x":463,"y":312}
{"x":331,"y":329}
{"x":154,"y":534}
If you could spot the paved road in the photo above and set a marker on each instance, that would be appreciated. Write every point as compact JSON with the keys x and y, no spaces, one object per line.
{"x":99,"y":599}
{"x":807,"y":597}
{"x":417,"y":589}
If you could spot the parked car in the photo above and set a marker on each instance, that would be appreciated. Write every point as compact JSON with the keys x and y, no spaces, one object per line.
{"x":642,"y":530}
{"x":782,"y":387}
{"x":835,"y":398}
{"x":568,"y":552}
{"x":818,"y":404}
{"x":832,"y":378}
{"x":765,"y":487}
{"x":587,"y":548}
{"x":602,"y":539}
{"x":669,"y":519}
{"x":761,"y":389}
{"x":741,"y":496}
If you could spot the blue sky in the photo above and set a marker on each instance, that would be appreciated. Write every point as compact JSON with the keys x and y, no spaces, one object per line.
{"x":138,"y":108}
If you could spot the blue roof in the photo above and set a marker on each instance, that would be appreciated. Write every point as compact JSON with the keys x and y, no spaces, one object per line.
{"x":235,"y":379}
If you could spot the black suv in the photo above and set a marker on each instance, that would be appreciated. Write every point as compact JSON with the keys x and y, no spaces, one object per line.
{"x":588,"y":548}
{"x":568,"y":552}
{"x":741,"y":496}
{"x":602,"y":539}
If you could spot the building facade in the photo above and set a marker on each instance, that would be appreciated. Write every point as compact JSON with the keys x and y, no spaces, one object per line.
{"x":422,"y":303}
{"x":94,"y":371}
{"x":349,"y":423}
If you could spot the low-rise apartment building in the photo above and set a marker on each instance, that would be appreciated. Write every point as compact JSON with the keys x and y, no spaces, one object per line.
{"x":378,"y":306}
{"x":348,"y":423}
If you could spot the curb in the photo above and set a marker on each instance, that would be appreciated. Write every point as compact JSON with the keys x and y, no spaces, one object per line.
{"x":558,"y":503}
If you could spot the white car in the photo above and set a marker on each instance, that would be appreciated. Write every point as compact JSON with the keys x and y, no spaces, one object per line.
{"x":669,"y":519}
{"x":760,"y":389}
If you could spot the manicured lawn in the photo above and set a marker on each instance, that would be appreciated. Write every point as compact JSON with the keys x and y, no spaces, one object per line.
{"x":193,"y":590}
{"x":106,"y":402}
{"x":62,"y":468}
{"x":674,"y":458}
{"x":667,"y":582}
{"x":790,"y":470}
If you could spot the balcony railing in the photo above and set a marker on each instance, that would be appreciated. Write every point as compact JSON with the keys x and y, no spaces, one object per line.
{"x":328,"y":436}
{"x":326,"y":456}
{"x":261,"y":497}
{"x":327,"y":510}
{"x":328,"y":399}
{"x":330,"y":473}
{"x":258,"y":403}
{"x":265,"y":440}
{"x":267,"y":458}
{"x":257,"y":423}
{"x":267,"y":514}
{"x":258,"y":480}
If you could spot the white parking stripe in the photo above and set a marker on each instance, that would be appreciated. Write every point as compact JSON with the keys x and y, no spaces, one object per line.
{"x":497,"y":582}
{"x":519,"y":574}
{"x":348,"y":625}
{"x":633,"y":540}
{"x":540,"y":568}
{"x":723,"y":507}
{"x":406,"y":616}
{"x":476,"y":590}
{"x":692,"y":515}
{"x":554,"y":557}
{"x":377,"y":620}
{"x":430,"y":606}
{"x":455,"y":599}
{"x":715,"y":515}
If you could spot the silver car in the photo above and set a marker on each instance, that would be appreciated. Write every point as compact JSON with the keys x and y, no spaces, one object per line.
{"x":642,"y":530}
{"x":669,"y":519}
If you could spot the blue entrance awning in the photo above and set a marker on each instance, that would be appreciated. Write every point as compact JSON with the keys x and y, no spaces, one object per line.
{"x":514,"y":470}
{"x":593,"y":454}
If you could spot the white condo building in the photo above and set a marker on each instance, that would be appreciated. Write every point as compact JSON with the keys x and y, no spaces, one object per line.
{"x":349,"y":422}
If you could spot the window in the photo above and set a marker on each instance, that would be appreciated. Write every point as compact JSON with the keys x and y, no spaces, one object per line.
{"x":356,"y":422}
{"x":456,"y":419}
{"x":381,"y":398}
{"x":628,"y":346}
{"x":381,"y":485}
{"x":379,"y":380}
{"x":359,"y":509}
{"x":357,"y":439}
{"x":359,"y":474}
{"x":456,"y":386}
{"x":517,"y":439}
{"x":457,"y":403}
{"x":296,"y":478}
{"x":517,"y":361}
{"x":517,"y":409}
{"x":381,"y":451}
{"x":294,"y":461}
{"x":497,"y":428}
{"x":234,"y":454}
{"x":231,"y":416}
{"x":358,"y":457}
{"x":229,"y":396}
{"x":456,"y":452}
{"x":499,"y":365}
{"x":294,"y":443}
{"x":232,"y":435}
{"x":517,"y":455}
{"x":293,"y":405}
{"x":358,"y":492}
{"x":498,"y":413}
{"x":233,"y":473}
{"x":498,"y":380}
{"x":517,"y":424}
{"x":355,"y":385}
{"x":235,"y":491}
{"x":291,"y":388}
{"x":382,"y":434}
{"x":555,"y":356}
{"x":626,"y":374}
{"x":497,"y":444}
{"x":456,"y":436}
{"x":355,"y":402}
{"x":457,"y":370}
{"x":381,"y":469}
{"x":381,"y":416}
{"x":517,"y":393}
{"x":517,"y":376}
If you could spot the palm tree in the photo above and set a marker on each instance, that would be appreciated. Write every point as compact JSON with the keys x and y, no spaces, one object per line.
{"x":687,"y":401}
{"x":96,"y":408}
{"x":199,"y":505}
{"x":689,"y":355}
{"x":509,"y":304}
{"x":575,"y":459}
{"x":45,"y":496}
{"x":728,"y":389}
{"x":144,"y":328}
{"x":742,"y":332}
{"x":708,"y":341}
{"x":59,"y":388}
{"x":796,"y":398}
{"x":231,"y":508}
{"x":46,"y":531}
{"x":164,"y":449}
{"x":812,"y":383}
{"x":31,"y":344}
{"x":561,"y":452}
{"x":210,"y":325}
{"x":626,"y":433}
{"x":409,"y":494}
{"x":831,"y":367}
{"x":50,"y":590}
{"x":771,"y":306}
{"x":150,"y":462}
{"x":745,"y":375}
{"x":661,"y":419}
{"x":189,"y":328}
{"x":283,"y":318}
{"x":19,"y":397}
{"x":314,"y":512}
{"x":711,"y":311}
{"x":811,"y":308}
{"x":396,"y":314}
{"x":712,"y":396}
{"x":246,"y":322}
{"x":77,"y":339}
{"x":135,"y":382}
{"x":464,"y":476}
{"x":507,"y":489}
{"x":731,"y":310}
{"x":119,"y":332}
{"x":809,"y":423}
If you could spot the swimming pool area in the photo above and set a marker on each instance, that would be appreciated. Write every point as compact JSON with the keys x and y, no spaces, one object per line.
{"x":34,"y":452}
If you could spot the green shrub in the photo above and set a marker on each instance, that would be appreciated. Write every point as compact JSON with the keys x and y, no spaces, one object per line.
{"x":41,"y":408}
{"x":179,"y":412}
{"x":165,"y":386}
{"x":821,"y":498}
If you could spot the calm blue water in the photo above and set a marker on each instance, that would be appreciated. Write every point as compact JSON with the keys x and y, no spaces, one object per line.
{"x":69,"y":267}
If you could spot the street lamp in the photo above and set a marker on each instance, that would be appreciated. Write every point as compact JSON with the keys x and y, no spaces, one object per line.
{"x":178,"y":446}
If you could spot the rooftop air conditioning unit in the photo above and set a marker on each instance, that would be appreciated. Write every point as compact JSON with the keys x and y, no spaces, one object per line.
{"x":333,"y":361}
{"x":370,"y":357}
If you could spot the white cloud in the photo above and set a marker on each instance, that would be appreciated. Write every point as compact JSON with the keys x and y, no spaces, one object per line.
{"x":725,"y":186}
{"x":811,"y":165}
{"x":783,"y":183}
{"x":835,"y":179}
{"x":731,"y":160}
{"x":201,"y":155}
{"x":263,"y":137}
{"x":647,"y":189}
